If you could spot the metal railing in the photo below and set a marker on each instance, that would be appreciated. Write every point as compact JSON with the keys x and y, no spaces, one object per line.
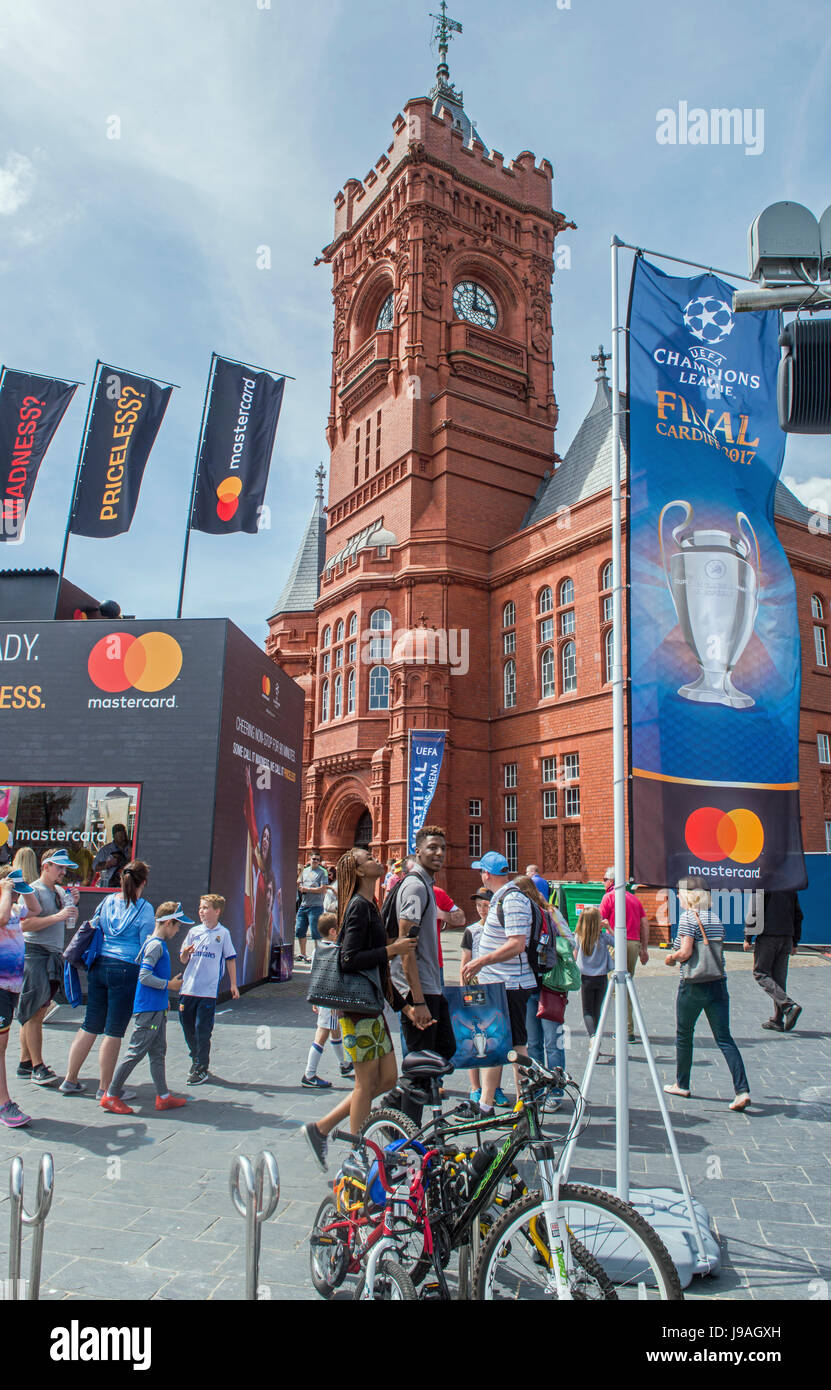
{"x":256,"y":1203}
{"x":20,"y":1217}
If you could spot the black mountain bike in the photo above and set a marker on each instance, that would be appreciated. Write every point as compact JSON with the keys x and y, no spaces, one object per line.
{"x":561,"y":1240}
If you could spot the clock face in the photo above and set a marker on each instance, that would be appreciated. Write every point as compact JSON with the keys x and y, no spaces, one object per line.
{"x":473,"y":303}
{"x":385,"y":315}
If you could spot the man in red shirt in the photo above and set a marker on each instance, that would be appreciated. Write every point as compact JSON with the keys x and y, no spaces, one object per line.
{"x":637,"y":931}
{"x":446,"y":911}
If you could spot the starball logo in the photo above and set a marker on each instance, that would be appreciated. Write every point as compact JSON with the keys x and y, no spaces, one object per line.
{"x":123,"y":661}
{"x":713,"y":836}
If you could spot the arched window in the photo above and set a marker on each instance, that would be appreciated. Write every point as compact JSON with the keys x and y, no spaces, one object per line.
{"x":547,"y":674}
{"x":379,"y":688}
{"x":606,"y":577}
{"x":324,"y":702}
{"x":608,"y":656}
{"x":337,"y":702}
{"x":326,"y":637}
{"x":566,"y":592}
{"x":350,"y":693}
{"x":386,"y":314}
{"x":546,"y":600}
{"x":339,"y":631}
{"x":569,"y":667}
{"x":816,"y":606}
{"x":509,"y":684}
{"x":353,"y":624}
{"x":380,"y":648}
{"x":509,"y":614}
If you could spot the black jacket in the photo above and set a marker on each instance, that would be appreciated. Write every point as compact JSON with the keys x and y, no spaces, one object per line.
{"x":363,"y":945}
{"x":782,"y":916}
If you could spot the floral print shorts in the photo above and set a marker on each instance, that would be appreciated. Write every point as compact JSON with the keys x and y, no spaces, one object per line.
{"x":365,"y":1039}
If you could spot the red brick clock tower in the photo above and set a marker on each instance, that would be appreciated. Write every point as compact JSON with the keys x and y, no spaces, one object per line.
{"x":440,"y":428}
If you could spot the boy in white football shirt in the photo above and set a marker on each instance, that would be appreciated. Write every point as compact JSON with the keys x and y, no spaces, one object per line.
{"x":206,"y":951}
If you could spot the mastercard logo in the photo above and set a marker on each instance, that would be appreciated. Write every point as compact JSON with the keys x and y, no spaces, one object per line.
{"x":5,"y":833}
{"x":122,"y":661}
{"x":266,"y":685}
{"x":712,"y":835}
{"x":228,"y":493}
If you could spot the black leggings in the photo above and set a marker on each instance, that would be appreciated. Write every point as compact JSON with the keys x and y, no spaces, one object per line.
{"x":592,"y":993}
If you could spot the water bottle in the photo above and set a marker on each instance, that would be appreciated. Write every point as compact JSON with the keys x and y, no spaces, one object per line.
{"x":67,"y":900}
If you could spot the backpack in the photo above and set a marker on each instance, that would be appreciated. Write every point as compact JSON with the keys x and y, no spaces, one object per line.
{"x":541,"y":948}
{"x":389,"y":909}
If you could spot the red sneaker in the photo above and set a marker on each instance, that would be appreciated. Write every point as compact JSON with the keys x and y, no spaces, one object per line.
{"x":115,"y":1105}
{"x":170,"y":1102}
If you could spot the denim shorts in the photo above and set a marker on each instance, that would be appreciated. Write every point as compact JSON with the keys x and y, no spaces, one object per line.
{"x":111,"y":989}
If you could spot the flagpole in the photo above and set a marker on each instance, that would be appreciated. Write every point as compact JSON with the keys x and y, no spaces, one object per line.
{"x":194,"y":484}
{"x":90,"y":407}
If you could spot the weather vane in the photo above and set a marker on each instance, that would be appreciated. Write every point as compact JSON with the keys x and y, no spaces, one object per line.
{"x":443,"y":32}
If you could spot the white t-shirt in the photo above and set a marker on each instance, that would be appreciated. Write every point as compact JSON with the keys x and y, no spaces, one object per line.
{"x":515,"y":973}
{"x":203,"y":972}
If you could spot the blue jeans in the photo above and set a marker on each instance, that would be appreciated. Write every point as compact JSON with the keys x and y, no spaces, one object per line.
{"x":544,"y":1037}
{"x":713,"y":1000}
{"x":308,"y":916}
{"x":111,"y":988}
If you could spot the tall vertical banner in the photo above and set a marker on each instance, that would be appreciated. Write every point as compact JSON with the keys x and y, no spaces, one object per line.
{"x":31,"y":408}
{"x":426,"y":753}
{"x":237,"y":443}
{"x":127,"y":412}
{"x":714,"y":639}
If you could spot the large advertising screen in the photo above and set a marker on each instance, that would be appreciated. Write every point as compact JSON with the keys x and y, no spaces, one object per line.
{"x":96,"y":825}
{"x":254,"y":861}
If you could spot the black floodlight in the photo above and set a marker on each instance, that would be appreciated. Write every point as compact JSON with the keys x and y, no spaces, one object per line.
{"x":804,"y":379}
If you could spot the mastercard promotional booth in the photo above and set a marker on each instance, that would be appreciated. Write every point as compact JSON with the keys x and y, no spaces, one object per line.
{"x":183,"y":732}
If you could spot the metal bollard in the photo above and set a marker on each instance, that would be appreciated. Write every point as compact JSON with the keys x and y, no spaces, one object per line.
{"x":20,"y":1217}
{"x":248,"y":1196}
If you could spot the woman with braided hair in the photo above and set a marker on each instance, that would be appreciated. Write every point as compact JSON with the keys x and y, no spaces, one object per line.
{"x":363,"y":946}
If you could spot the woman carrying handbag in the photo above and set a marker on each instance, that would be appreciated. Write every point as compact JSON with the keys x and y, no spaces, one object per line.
{"x":363,"y":954}
{"x":699,"y":950}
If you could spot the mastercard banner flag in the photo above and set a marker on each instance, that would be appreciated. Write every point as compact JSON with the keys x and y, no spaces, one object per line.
{"x":127,"y":412}
{"x":714,"y":639}
{"x":31,"y":408}
{"x":237,"y":442}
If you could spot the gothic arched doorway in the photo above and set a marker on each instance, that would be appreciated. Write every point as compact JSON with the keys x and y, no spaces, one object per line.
{"x":363,"y":829}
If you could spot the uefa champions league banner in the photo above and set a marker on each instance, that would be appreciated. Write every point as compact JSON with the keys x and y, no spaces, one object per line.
{"x":714,"y":640}
{"x":426,"y":753}
{"x":238,"y":439}
{"x":31,"y":408}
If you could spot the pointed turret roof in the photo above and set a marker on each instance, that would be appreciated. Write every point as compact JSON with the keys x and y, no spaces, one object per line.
{"x":302,"y":588}
{"x":443,"y":93}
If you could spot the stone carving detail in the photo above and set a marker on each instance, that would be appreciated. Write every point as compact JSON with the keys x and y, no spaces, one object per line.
{"x":825,"y":782}
{"x":551,"y":849}
{"x":573,"y":850}
{"x":432,"y":255}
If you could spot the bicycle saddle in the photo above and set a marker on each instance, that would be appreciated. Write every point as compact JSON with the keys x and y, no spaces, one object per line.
{"x":425,"y":1064}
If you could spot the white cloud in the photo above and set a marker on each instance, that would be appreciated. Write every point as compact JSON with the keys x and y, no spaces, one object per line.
{"x":17,"y":181}
{"x":814,"y":493}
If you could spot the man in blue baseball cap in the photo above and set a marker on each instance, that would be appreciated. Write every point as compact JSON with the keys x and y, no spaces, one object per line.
{"x":43,"y":970}
{"x":503,"y":958}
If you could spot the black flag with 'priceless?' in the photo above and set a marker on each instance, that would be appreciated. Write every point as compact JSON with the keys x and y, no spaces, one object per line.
{"x":31,"y":408}
{"x":236,"y":450}
{"x":126,"y":417}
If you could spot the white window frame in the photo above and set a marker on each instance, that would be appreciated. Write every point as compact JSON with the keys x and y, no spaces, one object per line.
{"x":474,"y":841}
{"x":509,"y":614}
{"x":828,"y":837}
{"x":510,"y":809}
{"x":568,"y":667}
{"x":572,"y":807}
{"x":571,"y":767}
{"x":511,"y":778}
{"x":547,"y":630}
{"x":508,"y":643}
{"x":375,"y":696}
{"x":351,"y":689}
{"x":820,"y":646}
{"x":548,"y":676}
{"x":474,"y":807}
{"x":337,"y":697}
{"x":567,"y":622}
{"x":324,"y":703}
{"x":511,"y":850}
{"x":549,"y":769}
{"x":509,"y":684}
{"x":549,"y":804}
{"x":816,"y":606}
{"x":824,"y":748}
{"x":566,"y":593}
{"x":546,"y":600}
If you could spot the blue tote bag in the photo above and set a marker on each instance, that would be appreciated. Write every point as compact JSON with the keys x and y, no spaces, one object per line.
{"x":479,"y":1014}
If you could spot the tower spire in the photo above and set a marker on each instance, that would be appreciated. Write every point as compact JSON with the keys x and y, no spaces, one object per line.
{"x":320,"y":474}
{"x":601,"y":358}
{"x":442,"y":34}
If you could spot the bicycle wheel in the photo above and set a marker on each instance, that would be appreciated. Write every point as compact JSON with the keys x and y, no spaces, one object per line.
{"x":328,"y":1252}
{"x":385,"y":1126}
{"x":392,"y":1283}
{"x":625,"y":1258}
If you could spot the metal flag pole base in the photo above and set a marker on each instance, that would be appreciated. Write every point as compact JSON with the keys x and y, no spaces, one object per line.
{"x":682,"y":1223}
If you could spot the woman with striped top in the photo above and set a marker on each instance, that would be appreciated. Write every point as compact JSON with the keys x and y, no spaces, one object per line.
{"x":710,"y":997}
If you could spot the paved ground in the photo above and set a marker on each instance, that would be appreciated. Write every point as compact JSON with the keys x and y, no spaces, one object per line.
{"x":142,"y":1208}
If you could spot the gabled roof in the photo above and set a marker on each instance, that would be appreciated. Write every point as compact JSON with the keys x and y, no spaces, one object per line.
{"x":586,"y":468}
{"x":302,"y":588}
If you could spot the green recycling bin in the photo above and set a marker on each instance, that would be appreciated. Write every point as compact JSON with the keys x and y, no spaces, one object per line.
{"x":573,"y":897}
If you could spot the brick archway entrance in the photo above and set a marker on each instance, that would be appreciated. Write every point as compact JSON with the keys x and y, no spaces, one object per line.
{"x":345,"y":811}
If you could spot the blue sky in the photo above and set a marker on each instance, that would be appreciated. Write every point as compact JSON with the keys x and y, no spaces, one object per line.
{"x":238,"y":125}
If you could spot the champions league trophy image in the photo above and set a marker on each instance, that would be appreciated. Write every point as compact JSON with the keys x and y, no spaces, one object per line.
{"x":714,"y":586}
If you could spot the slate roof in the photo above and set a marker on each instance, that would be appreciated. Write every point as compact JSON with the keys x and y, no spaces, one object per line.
{"x":586,"y":468}
{"x":302,"y":588}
